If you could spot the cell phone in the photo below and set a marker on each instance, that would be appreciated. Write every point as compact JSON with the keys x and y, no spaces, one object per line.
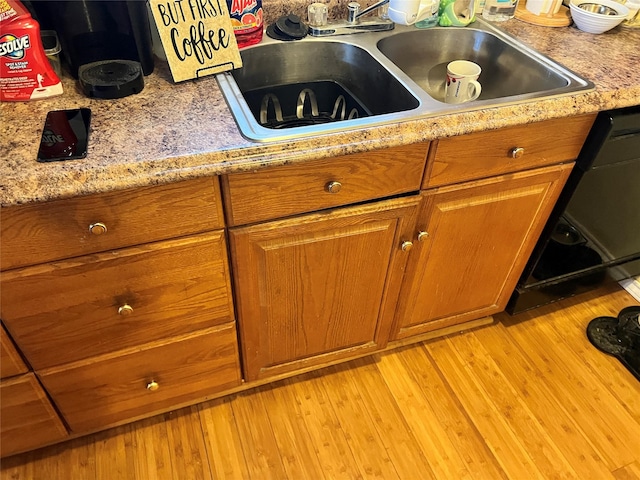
{"x":65,"y":135}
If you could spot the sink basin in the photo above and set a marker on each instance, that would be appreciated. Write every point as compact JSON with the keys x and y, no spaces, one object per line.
{"x":300,"y":88}
{"x":315,"y":86}
{"x":506,"y":70}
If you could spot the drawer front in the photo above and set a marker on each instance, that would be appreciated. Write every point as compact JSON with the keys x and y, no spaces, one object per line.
{"x":43,"y":232}
{"x":11,"y":363}
{"x":490,"y":153}
{"x":110,"y":389}
{"x":96,"y":304}
{"x":289,"y":190}
{"x":27,"y":419}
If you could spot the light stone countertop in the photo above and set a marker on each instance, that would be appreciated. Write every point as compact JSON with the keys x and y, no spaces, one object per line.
{"x":170,"y":132}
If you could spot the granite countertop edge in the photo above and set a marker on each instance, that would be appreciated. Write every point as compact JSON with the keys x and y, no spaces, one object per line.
{"x":172,"y":132}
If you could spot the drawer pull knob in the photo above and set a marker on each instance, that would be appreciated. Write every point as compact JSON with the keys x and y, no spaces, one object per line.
{"x":333,"y":187}
{"x":517,"y":152}
{"x":422,"y":236}
{"x":125,"y":310}
{"x":152,"y":386}
{"x":98,"y":228}
{"x":406,"y":246}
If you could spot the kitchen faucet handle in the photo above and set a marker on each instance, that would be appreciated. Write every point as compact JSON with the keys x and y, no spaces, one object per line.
{"x":353,"y":8}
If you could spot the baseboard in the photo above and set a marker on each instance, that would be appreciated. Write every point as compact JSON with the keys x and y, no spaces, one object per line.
{"x":632,"y":285}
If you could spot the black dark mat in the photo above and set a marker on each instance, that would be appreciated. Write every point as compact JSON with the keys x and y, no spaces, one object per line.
{"x":619,"y":337}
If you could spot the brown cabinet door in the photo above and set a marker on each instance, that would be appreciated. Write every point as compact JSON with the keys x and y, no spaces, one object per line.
{"x":310,"y":290}
{"x":477,"y":239}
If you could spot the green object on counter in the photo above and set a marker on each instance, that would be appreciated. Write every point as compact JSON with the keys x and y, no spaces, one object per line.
{"x":456,"y":13}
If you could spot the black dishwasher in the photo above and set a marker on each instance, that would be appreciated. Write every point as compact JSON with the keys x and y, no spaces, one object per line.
{"x":593,"y":233}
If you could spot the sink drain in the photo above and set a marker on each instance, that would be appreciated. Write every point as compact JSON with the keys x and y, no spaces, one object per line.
{"x":301,"y":104}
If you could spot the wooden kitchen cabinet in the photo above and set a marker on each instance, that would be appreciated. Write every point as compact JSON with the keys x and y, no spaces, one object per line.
{"x":486,"y":198}
{"x":473,"y":240}
{"x":122,"y":305}
{"x":329,"y":259}
{"x":310,"y":290}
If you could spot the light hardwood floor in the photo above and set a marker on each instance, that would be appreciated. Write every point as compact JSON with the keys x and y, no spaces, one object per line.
{"x":525,"y":398}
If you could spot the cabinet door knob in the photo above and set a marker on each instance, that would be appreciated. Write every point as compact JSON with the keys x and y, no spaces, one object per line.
{"x":406,"y":246}
{"x":422,"y":236}
{"x":152,"y":386}
{"x":98,"y":228}
{"x":333,"y":187}
{"x":125,"y":310}
{"x":517,"y":152}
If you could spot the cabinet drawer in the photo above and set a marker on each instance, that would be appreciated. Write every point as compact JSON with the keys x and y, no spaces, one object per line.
{"x":106,"y":390}
{"x":281,"y":191}
{"x":87,"y":306}
{"x":11,"y":363}
{"x":27,"y":419}
{"x":59,"y":229}
{"x":485,"y":154}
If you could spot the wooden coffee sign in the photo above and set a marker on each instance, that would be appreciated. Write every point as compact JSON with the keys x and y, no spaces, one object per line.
{"x":197,"y":37}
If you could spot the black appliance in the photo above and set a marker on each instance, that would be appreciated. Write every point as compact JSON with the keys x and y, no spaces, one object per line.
{"x":593,"y":233}
{"x":98,"y":30}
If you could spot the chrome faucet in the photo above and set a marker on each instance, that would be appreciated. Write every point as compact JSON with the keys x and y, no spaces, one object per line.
{"x":354,"y":13}
{"x":354,"y":22}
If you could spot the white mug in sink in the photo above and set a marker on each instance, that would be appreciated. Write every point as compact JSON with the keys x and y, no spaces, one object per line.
{"x":462,"y":82}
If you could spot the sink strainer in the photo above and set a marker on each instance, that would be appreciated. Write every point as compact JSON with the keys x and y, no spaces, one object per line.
{"x":302,"y":104}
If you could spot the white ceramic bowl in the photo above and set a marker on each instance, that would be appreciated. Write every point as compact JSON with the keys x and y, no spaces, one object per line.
{"x":592,"y":22}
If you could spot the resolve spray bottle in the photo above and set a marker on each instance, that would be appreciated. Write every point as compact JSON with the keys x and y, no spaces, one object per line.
{"x":25,"y":71}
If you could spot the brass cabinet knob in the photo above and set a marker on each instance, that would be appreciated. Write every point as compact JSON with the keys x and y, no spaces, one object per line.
{"x":333,"y":187}
{"x":125,"y":310}
{"x":422,"y":236}
{"x":152,"y":386}
{"x":406,"y":246}
{"x":98,"y":228}
{"x":517,"y":152}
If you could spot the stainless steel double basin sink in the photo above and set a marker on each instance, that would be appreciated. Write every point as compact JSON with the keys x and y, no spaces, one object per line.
{"x":314,"y":86}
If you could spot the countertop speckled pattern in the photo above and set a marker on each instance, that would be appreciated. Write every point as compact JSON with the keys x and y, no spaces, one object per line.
{"x":170,"y":131}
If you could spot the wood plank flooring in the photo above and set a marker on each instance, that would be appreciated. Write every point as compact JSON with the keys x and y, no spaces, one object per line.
{"x":525,"y":398}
